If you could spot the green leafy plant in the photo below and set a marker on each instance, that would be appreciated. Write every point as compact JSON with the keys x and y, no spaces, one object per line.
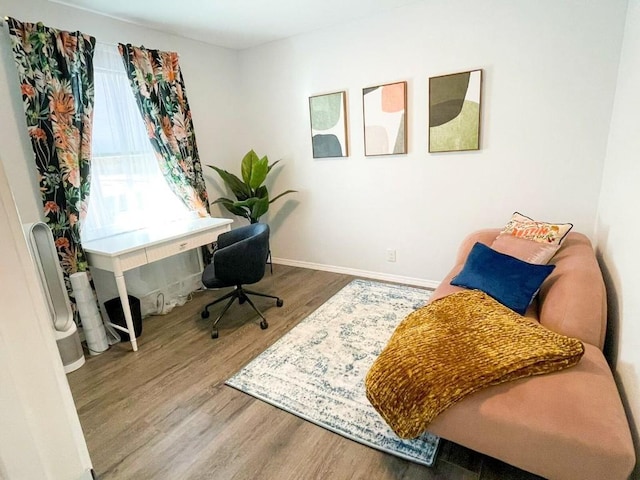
{"x":252,"y":197}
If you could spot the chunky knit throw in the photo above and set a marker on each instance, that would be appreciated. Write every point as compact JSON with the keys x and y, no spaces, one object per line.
{"x":453,"y":347}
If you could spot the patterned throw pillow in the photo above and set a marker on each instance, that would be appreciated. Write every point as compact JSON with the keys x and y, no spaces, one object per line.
{"x":522,"y":226}
{"x":529,"y":240}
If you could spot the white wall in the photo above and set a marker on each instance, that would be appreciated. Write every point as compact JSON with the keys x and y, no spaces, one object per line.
{"x":211,"y":78}
{"x":618,"y":227}
{"x":549,"y":79}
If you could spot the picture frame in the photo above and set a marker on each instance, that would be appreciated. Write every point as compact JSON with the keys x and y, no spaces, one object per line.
{"x":328,"y":117}
{"x":384,"y":113}
{"x":455,"y":102}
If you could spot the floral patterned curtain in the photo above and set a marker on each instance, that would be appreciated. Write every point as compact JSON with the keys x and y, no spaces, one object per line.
{"x":55,"y":70}
{"x":160,"y":93}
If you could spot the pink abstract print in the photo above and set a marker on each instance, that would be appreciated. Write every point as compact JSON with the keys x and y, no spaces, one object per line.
{"x":384,"y":110}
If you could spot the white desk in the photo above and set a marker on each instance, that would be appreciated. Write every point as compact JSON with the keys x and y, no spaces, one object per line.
{"x":123,"y":252}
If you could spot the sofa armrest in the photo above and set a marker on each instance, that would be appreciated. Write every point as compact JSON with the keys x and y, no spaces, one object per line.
{"x":573,"y":299}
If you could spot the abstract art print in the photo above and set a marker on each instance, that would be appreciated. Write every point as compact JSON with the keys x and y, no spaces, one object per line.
{"x":329,"y":125}
{"x":454,"y":112}
{"x":385,"y":119}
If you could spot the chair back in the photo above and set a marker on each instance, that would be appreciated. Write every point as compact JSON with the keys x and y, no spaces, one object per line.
{"x":242,"y":254}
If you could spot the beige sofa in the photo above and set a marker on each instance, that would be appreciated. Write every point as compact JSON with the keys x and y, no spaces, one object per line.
{"x":565,"y":425}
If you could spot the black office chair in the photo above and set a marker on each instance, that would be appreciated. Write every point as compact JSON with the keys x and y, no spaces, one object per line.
{"x":240,"y":259}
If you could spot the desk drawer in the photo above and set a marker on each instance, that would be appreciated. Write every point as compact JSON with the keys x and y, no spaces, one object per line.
{"x":132,"y":260}
{"x":120,"y":263}
{"x":168,"y":249}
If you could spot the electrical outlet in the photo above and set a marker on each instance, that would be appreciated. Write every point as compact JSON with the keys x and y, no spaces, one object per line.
{"x":391,"y":255}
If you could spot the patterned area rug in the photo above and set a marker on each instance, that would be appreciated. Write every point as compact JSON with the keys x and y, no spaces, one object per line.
{"x":317,"y":370}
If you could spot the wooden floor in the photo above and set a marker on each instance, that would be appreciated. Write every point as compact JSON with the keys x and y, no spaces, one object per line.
{"x":164,"y":412}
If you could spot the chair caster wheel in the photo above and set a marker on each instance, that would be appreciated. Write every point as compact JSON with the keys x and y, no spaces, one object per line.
{"x":264,"y":325}
{"x":241,"y":300}
{"x":214,"y":333}
{"x":279,"y":302}
{"x":204,"y":314}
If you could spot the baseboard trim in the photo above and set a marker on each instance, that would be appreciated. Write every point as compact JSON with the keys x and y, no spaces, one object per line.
{"x":418,"y":282}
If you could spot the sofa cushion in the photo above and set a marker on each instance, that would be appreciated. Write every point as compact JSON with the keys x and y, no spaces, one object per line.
{"x":524,"y":249}
{"x":510,"y":281}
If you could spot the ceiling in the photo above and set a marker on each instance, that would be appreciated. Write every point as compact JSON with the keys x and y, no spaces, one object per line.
{"x":236,"y":24}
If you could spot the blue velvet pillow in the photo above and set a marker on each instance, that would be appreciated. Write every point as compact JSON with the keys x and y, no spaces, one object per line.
{"x":509,"y":280}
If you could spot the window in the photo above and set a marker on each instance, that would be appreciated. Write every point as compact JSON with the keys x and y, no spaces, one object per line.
{"x":128,"y":191}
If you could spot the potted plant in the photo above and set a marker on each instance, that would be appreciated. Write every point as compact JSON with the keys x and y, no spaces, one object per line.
{"x":252,"y":197}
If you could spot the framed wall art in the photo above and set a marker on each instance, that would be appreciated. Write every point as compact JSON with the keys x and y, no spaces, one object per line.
{"x":385,"y":119}
{"x":329,"y":125}
{"x":454,"y":112}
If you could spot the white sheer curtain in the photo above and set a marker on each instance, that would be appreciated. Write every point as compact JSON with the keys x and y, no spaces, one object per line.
{"x":128,"y":191}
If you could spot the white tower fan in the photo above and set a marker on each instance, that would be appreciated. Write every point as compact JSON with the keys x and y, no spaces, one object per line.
{"x":45,"y":256}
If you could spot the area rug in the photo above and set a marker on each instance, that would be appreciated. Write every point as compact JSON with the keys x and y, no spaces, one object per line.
{"x":317,"y":370}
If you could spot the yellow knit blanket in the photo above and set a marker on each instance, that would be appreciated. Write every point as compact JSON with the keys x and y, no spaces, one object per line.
{"x":453,"y":347}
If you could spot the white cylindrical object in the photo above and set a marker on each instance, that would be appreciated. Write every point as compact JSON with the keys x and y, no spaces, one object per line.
{"x":85,"y":295}
{"x":86,"y":308}
{"x":94,"y":332}
{"x":92,"y":326}
{"x":79,"y":281}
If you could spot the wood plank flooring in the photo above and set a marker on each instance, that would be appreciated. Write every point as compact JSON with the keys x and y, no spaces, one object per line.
{"x":164,"y":412}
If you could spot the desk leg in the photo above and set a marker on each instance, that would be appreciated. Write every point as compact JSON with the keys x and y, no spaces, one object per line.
{"x":126,"y":308}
